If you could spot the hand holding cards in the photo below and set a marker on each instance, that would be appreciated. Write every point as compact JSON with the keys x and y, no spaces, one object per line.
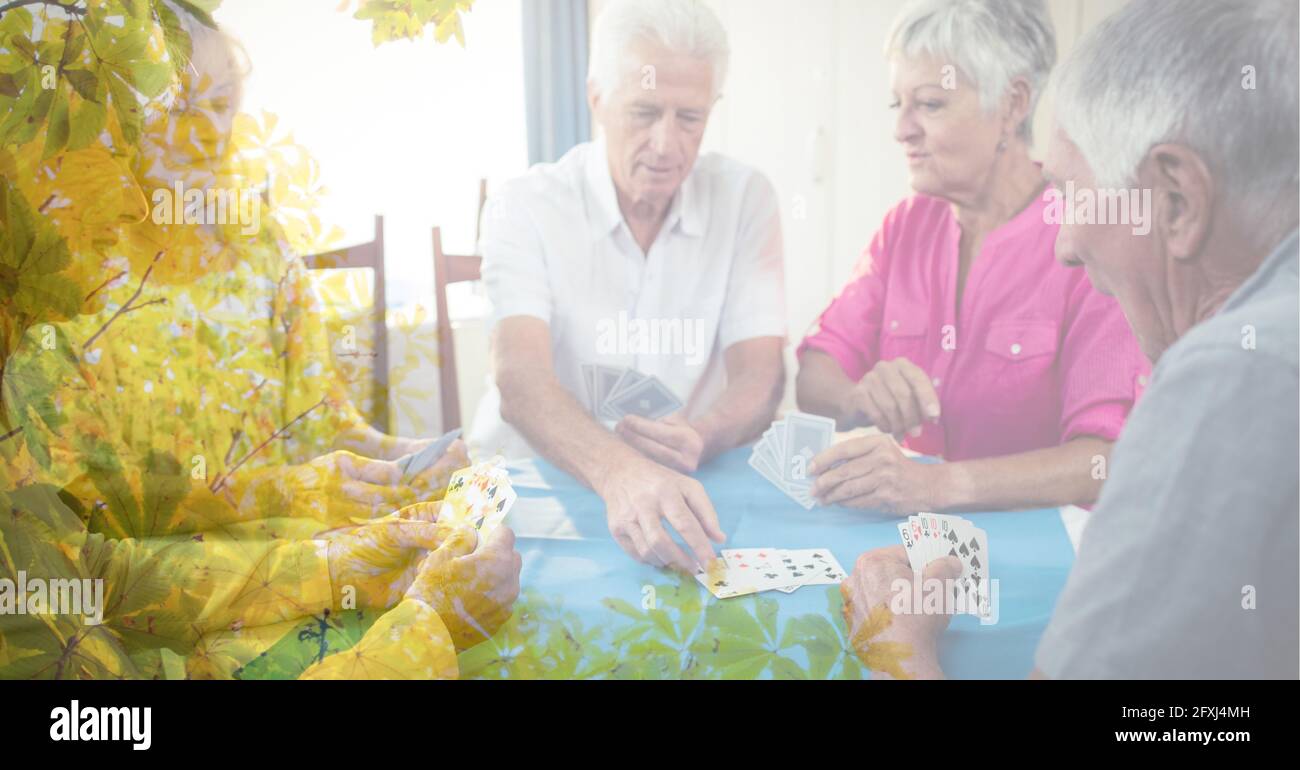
{"x":479,"y":496}
{"x":613,"y":393}
{"x":744,"y":571}
{"x":930,"y":536}
{"x":787,"y":448}
{"x":414,"y":464}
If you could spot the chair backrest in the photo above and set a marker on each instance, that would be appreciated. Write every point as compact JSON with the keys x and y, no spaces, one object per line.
{"x":449,"y":269}
{"x":371,"y":256}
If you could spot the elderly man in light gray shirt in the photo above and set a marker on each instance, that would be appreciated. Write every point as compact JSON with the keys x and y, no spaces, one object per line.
{"x":1188,"y":566}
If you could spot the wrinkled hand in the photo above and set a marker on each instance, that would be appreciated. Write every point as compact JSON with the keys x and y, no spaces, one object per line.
{"x":872,"y":472}
{"x":672,"y":441}
{"x":640,"y":495}
{"x":379,"y":560}
{"x":472,"y":592}
{"x":896,"y":396}
{"x":433,"y":480}
{"x":337,"y":488}
{"x":901,"y":645}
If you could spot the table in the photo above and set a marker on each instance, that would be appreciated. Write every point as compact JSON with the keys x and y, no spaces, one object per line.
{"x":589,"y":611}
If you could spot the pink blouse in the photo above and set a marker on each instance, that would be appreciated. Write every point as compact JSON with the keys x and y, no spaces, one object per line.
{"x":1035,"y":357}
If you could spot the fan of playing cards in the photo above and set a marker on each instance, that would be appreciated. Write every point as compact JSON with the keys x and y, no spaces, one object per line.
{"x":743,"y":571}
{"x":930,"y":536}
{"x":783,"y":454}
{"x":479,"y":496}
{"x":613,"y":393}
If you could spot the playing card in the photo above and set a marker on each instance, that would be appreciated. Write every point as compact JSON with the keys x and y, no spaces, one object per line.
{"x":930,"y":536}
{"x":626,"y":379}
{"x":603,"y":380}
{"x":414,"y":464}
{"x":478,"y":495}
{"x":724,"y":582}
{"x":913,"y":549}
{"x":757,"y":567}
{"x":767,"y":459}
{"x":650,"y":399}
{"x":493,"y":518}
{"x":806,"y":436}
{"x":811,"y":566}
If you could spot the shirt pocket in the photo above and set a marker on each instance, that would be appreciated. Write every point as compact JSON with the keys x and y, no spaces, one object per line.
{"x":1020,"y":358}
{"x":905,"y":338}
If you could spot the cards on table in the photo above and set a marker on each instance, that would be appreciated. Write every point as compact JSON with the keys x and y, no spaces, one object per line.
{"x":744,"y":571}
{"x":784,"y":452}
{"x":930,"y":536}
{"x":614,"y":392}
{"x":481,"y":496}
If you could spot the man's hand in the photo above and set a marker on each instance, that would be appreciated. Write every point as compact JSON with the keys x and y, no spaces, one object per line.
{"x":896,"y":396}
{"x":672,"y":441}
{"x":639,"y":495}
{"x":472,"y":592}
{"x":378,"y":561}
{"x":872,"y":472}
{"x":902,"y":646}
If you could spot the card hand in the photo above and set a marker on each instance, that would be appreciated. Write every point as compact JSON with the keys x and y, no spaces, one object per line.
{"x":872,"y":472}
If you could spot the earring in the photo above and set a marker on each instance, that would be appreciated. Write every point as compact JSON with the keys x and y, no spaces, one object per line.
{"x":1002,"y":145}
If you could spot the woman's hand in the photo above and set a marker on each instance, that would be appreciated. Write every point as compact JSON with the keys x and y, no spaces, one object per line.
{"x":473,"y":592}
{"x":872,"y":472}
{"x":896,"y":396}
{"x":374,"y":564}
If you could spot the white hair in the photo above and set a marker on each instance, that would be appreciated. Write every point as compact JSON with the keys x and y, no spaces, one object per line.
{"x":1218,"y":76}
{"x":682,"y":26}
{"x":991,"y":42}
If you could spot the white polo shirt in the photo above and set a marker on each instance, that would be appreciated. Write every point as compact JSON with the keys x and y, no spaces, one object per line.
{"x":555,"y":247}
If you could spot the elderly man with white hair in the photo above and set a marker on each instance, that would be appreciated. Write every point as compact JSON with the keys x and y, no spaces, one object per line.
{"x":634,"y":251}
{"x":1188,"y":565}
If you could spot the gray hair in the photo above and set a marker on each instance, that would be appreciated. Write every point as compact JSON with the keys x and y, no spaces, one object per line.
{"x":991,"y":42}
{"x":1218,"y":76}
{"x":682,"y":26}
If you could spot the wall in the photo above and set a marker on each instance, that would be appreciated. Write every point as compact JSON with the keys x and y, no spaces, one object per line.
{"x":807,"y":102}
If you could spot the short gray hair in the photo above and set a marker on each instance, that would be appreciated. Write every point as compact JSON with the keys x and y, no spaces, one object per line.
{"x":682,"y":26}
{"x":991,"y":42}
{"x":1219,"y":76}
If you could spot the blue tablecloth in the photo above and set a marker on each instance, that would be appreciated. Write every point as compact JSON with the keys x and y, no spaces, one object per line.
{"x":589,"y":610}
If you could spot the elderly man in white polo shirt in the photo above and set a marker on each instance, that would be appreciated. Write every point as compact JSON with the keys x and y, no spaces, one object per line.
{"x":627,"y":235}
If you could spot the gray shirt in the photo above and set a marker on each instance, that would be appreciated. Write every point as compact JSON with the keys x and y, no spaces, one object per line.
{"x":1188,"y":566}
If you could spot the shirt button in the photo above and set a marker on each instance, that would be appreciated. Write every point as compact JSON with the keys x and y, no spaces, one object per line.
{"x":893,"y":324}
{"x":1015,"y":349}
{"x":936,"y":382}
{"x":1142,"y":380}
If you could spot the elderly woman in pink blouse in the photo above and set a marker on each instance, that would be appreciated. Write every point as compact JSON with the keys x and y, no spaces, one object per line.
{"x":960,"y":336}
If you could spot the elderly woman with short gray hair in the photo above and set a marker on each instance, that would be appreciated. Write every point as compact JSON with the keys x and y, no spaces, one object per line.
{"x":960,"y":336}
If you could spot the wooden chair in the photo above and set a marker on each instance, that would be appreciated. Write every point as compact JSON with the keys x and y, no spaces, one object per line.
{"x":370,"y":256}
{"x":449,"y":269}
